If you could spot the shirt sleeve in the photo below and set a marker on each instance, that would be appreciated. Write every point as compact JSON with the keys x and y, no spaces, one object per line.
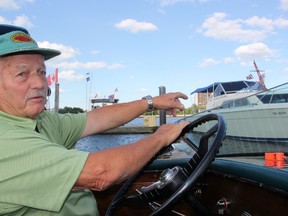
{"x":64,"y":129}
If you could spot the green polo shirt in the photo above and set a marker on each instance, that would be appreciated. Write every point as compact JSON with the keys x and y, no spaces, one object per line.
{"x":38,"y":169}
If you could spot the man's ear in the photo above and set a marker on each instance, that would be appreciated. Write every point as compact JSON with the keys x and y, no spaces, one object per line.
{"x":48,"y":91}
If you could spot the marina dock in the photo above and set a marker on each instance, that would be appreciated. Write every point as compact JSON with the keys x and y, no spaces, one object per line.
{"x":132,"y":130}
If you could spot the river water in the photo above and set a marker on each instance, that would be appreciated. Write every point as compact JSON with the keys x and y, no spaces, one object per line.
{"x":103,"y":141}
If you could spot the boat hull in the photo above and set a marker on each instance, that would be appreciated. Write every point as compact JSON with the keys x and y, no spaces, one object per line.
{"x":249,"y":124}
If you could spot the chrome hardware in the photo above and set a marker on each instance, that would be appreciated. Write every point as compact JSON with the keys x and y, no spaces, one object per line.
{"x":166,"y":177}
{"x":151,"y":187}
{"x":223,"y":204}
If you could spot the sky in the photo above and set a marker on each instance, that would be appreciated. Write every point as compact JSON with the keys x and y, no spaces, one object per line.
{"x":136,"y":46}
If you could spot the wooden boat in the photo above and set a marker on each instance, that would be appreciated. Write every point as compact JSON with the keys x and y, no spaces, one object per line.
{"x":200,"y":175}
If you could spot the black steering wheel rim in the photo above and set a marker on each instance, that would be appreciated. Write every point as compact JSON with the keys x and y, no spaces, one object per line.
{"x":219,"y":130}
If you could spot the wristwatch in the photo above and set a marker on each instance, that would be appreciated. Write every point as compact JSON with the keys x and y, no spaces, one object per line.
{"x":149,"y":102}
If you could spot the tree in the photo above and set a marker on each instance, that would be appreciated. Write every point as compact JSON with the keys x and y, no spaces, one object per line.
{"x":71,"y":110}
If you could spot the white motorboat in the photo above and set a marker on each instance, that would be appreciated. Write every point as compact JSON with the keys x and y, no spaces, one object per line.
{"x":246,"y":116}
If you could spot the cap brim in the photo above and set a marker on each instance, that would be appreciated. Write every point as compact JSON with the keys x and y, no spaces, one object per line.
{"x":47,"y":53}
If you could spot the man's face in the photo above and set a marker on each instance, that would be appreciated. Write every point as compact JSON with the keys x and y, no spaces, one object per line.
{"x":23,"y":85}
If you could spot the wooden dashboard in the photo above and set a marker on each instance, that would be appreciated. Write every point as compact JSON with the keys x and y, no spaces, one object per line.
{"x":227,"y":188}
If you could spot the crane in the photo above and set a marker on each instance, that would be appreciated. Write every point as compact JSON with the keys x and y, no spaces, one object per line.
{"x":260,"y":76}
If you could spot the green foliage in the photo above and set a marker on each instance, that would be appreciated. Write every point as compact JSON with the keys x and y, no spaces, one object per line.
{"x":71,"y":110}
{"x":187,"y":111}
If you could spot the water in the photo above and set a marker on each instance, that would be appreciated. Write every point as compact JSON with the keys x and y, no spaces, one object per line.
{"x":103,"y":141}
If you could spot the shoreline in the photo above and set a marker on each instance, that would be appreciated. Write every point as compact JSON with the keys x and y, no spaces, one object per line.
{"x":167,"y":116}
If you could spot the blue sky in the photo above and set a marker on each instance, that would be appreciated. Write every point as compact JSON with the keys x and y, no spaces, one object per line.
{"x":139,"y":45}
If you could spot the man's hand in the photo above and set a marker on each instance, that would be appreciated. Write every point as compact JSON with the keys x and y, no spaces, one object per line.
{"x":169,"y":102}
{"x":170,"y":132}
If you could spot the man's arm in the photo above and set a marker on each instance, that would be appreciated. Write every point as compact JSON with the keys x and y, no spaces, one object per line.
{"x":108,"y":117}
{"x":107,"y":167}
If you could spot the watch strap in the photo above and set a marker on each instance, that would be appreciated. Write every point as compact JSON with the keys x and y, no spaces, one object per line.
{"x":149,"y":102}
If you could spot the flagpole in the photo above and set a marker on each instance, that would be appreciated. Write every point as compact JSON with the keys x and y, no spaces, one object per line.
{"x":87,"y":80}
{"x":89,"y":99}
{"x":86,"y":93}
{"x":57,"y":97}
{"x":56,"y":91}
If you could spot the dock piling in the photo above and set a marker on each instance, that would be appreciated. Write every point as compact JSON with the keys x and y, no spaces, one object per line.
{"x":162,"y":115}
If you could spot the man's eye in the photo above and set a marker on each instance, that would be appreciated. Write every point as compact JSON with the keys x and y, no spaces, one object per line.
{"x":43,"y":73}
{"x":21,"y":74}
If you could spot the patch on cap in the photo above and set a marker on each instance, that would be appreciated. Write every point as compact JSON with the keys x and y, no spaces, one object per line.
{"x":21,"y":38}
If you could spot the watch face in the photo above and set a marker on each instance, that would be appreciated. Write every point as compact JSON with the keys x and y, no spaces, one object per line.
{"x":150,"y":102}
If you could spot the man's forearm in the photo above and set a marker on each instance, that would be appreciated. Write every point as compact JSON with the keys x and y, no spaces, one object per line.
{"x":107,"y":167}
{"x":108,"y":117}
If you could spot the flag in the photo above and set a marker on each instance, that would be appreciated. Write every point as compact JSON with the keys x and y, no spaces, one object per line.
{"x":54,"y":77}
{"x":249,"y":77}
{"x":111,"y":97}
{"x":49,"y":80}
{"x":116,"y":90}
{"x":88,"y":79}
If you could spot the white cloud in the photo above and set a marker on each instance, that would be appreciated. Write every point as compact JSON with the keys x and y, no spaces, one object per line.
{"x":208,"y":61}
{"x":284,"y":5}
{"x":253,"y":29}
{"x":228,"y":60}
{"x":3,"y":20}
{"x":253,"y":51}
{"x":70,"y":53}
{"x":66,"y":51}
{"x":70,"y":75}
{"x":285,"y":70}
{"x":135,"y":26}
{"x":95,"y":52}
{"x":267,"y":25}
{"x":115,"y":66}
{"x":22,"y":21}
{"x":82,"y":65}
{"x":9,"y":5}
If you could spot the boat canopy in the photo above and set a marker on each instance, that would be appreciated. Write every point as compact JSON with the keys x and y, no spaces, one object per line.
{"x":230,"y":86}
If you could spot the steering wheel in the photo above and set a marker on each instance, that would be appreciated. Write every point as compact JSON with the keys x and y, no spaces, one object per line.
{"x":176,"y":182}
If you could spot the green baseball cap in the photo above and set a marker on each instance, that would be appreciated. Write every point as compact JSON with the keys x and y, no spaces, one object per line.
{"x":15,"y":40}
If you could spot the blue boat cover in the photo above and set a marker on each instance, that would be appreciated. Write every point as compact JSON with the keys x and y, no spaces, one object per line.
{"x":234,"y":85}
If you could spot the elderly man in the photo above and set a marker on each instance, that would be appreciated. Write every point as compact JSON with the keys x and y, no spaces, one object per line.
{"x":41,"y":172}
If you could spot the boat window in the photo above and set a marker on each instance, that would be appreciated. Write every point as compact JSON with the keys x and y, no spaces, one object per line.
{"x":255,"y":86}
{"x":279,"y":98}
{"x":227,"y":104}
{"x":241,"y":102}
{"x":276,"y":98}
{"x":233,"y":87}
{"x":219,"y":91}
{"x":265,"y":98}
{"x":235,"y":103}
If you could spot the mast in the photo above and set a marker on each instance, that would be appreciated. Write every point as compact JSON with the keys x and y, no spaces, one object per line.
{"x":260,"y":76}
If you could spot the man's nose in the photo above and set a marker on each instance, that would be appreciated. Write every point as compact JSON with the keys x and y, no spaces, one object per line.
{"x":38,"y":81}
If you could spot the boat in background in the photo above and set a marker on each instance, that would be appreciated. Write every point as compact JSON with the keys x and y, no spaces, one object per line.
{"x":246,"y":117}
{"x":221,"y":93}
{"x":247,"y":105}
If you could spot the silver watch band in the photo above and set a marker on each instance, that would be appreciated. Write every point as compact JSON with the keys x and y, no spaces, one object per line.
{"x":149,"y":102}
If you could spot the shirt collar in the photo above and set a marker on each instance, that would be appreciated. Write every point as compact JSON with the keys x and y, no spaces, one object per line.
{"x":19,"y":121}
